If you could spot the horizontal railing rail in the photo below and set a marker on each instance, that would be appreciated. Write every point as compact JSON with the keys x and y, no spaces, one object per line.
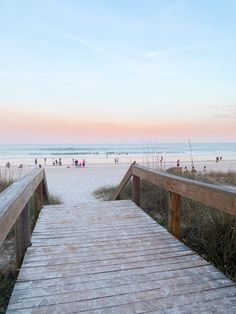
{"x":219,"y":197}
{"x":15,"y":208}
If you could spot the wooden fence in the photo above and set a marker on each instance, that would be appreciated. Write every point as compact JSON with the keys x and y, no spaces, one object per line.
{"x":220,"y":197}
{"x":15,"y":208}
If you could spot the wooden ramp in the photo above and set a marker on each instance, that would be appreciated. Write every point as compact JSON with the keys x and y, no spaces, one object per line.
{"x":110,"y":257}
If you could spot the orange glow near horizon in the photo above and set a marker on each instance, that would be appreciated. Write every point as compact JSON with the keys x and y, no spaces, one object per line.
{"x":44,"y":127}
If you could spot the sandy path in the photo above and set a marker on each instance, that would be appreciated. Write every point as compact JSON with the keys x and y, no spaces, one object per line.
{"x":75,"y":185}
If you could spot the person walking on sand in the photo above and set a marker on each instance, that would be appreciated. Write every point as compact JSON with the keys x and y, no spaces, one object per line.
{"x":178,"y":163}
{"x":83,"y":163}
{"x":35,"y":161}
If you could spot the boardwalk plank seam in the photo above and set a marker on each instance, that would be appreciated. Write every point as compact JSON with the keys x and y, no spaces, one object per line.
{"x":103,"y":257}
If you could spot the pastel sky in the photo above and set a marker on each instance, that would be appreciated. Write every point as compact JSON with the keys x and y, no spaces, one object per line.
{"x":76,"y":71}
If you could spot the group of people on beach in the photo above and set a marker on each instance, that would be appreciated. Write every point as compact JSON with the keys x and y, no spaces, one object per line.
{"x":58,"y":162}
{"x":77,"y":163}
{"x":193,"y":170}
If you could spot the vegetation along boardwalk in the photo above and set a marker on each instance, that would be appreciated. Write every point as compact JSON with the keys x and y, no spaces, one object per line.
{"x":111,"y":257}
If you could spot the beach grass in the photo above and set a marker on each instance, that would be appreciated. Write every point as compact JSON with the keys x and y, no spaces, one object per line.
{"x":206,"y":230}
{"x":7,"y":282}
{"x":54,"y":200}
{"x":104,"y":193}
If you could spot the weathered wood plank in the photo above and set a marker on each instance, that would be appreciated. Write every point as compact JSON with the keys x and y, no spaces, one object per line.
{"x":220,"y":197}
{"x":194,"y":269}
{"x":106,"y":264}
{"x":14,"y":199}
{"x":171,"y":278}
{"x":174,"y":214}
{"x":136,"y":190}
{"x":123,"y":183}
{"x":130,"y":292}
{"x":22,"y":234}
{"x":149,"y":300}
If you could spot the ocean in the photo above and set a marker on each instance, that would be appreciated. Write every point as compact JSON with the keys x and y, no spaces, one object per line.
{"x":105,"y":153}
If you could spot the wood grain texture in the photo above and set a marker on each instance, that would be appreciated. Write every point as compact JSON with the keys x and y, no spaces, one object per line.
{"x":111,"y":257}
{"x":174,"y":214}
{"x":15,"y":197}
{"x":123,"y":183}
{"x":220,"y":197}
{"x":136,"y":190}
{"x":22,"y":234}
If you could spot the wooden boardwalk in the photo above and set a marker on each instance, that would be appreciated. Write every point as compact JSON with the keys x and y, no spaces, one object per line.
{"x":110,"y":257}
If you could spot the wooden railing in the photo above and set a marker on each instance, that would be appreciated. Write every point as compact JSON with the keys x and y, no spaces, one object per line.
{"x":15,"y":208}
{"x":220,"y":197}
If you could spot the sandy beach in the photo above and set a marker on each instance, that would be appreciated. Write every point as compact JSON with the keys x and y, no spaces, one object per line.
{"x":73,"y":184}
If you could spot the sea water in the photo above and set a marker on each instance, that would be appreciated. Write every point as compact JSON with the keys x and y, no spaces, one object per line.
{"x":26,"y":154}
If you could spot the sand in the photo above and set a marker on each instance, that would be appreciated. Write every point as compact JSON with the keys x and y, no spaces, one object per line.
{"x":73,"y":184}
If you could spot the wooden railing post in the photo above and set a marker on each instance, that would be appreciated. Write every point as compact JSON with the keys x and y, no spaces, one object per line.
{"x":174,"y":214}
{"x":39,"y":198}
{"x":123,"y":183}
{"x":45,"y":190}
{"x":136,"y":190}
{"x":22,"y":234}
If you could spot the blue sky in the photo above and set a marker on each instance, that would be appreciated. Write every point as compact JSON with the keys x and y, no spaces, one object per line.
{"x":143,"y":66}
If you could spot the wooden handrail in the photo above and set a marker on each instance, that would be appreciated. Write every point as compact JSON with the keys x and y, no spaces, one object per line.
{"x":123,"y":183}
{"x":15,"y":208}
{"x":220,"y":197}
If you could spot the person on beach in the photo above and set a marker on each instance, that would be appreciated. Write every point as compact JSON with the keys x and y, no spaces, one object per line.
{"x":83,"y":163}
{"x":60,"y":162}
{"x":161,"y":162}
{"x":45,"y":161}
{"x":8,"y":165}
{"x":56,"y":162}
{"x":76,"y":162}
{"x":35,"y":161}
{"x":217,"y":159}
{"x":178,"y":163}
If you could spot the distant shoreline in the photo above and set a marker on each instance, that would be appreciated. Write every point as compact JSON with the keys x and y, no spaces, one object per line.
{"x":163,"y":155}
{"x":211,"y":165}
